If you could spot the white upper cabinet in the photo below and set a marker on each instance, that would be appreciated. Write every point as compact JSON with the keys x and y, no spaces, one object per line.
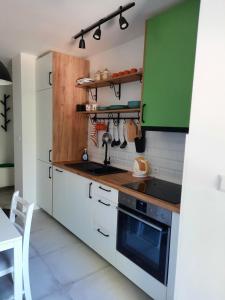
{"x":44,"y":75}
{"x":44,"y":125}
{"x":44,"y":186}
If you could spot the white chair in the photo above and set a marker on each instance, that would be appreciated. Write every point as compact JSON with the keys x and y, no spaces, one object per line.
{"x":21,"y":216}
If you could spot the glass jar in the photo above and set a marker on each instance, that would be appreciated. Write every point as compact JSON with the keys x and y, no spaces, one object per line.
{"x":105,"y":74}
{"x":98,"y":76}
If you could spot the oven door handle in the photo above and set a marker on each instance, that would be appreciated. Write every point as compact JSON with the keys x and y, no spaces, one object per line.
{"x":139,"y":219}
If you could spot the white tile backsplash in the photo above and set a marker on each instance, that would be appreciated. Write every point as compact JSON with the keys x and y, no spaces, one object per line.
{"x":164,"y":151}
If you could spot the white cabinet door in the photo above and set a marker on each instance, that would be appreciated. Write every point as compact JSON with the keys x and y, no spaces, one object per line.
{"x":44,"y":186}
{"x":44,"y":125}
{"x":44,"y":72}
{"x":62,"y":210}
{"x":71,"y":203}
{"x":78,"y":194}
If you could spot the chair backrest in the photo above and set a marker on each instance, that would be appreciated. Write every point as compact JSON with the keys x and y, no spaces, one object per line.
{"x":21,"y":215}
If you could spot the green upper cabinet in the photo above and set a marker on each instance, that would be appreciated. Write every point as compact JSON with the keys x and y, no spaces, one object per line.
{"x":170,"y":45}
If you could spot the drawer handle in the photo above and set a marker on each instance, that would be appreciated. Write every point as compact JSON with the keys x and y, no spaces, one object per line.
{"x":49,"y":172}
{"x":106,"y":204}
{"x":104,"y":189}
{"x":50,"y":78}
{"x":143,"y":108}
{"x":57,"y":170}
{"x":90,"y":184}
{"x":105,"y":235}
{"x":49,"y":155}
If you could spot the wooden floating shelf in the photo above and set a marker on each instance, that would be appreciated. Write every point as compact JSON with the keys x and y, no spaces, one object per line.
{"x":118,"y":80}
{"x":110,"y":111}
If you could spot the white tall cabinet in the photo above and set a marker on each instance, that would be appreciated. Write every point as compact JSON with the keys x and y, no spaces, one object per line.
{"x":44,"y":131}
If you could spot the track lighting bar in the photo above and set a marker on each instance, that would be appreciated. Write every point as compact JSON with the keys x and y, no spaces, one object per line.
{"x":119,"y":11}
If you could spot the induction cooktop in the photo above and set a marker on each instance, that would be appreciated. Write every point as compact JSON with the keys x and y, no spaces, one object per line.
{"x":161,"y":189}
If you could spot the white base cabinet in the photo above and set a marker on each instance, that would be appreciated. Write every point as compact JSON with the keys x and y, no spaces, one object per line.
{"x":72,"y":206}
{"x":104,"y":226}
{"x":44,"y":186}
{"x":89,"y":210}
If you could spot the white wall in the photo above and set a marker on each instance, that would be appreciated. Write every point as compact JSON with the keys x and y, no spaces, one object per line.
{"x":164,"y":150}
{"x":201,"y":252}
{"x":6,"y":138}
{"x":23,"y":66}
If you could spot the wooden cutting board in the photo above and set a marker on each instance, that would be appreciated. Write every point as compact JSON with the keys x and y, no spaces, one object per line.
{"x":132,"y":131}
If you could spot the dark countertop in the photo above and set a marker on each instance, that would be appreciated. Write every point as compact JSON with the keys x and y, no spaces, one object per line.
{"x":117,"y":181}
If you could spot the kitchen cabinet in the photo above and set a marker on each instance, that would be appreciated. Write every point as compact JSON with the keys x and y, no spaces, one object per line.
{"x":104,"y":218}
{"x":44,"y":76}
{"x":57,"y":97}
{"x":44,"y":125}
{"x":170,"y":45}
{"x":71,"y":203}
{"x":44,"y":186}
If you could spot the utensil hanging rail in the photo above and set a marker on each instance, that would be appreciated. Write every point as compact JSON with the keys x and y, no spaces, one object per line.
{"x":5,"y":113}
{"x":113,"y":116}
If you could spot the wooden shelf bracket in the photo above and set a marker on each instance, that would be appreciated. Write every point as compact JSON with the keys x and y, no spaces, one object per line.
{"x":118,"y":91}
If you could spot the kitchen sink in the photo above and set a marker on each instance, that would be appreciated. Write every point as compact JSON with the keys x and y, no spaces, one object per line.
{"x":95,"y":168}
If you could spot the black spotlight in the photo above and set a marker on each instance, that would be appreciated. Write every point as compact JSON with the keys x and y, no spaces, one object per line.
{"x":97,"y":34}
{"x":82,"y":42}
{"x":123,"y":22}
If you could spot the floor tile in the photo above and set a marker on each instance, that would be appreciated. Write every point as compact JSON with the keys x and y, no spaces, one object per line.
{"x":52,"y":239}
{"x":41,"y":220}
{"x":107,"y":284}
{"x":73,"y":263}
{"x":59,"y":295}
{"x":42,"y":280}
{"x":32,"y":252}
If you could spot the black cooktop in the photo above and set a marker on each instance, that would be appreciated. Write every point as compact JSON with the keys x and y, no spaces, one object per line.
{"x":161,"y":189}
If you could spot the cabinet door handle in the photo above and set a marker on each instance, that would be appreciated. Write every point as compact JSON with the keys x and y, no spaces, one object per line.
{"x":60,"y":171}
{"x":49,"y":155}
{"x":49,"y":172}
{"x":99,"y":230}
{"x":104,"y":189}
{"x":143,"y":108}
{"x":90,"y":184}
{"x":106,"y":204}
{"x":50,"y":78}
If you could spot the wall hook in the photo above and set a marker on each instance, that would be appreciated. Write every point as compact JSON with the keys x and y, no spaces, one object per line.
{"x":5,"y":112}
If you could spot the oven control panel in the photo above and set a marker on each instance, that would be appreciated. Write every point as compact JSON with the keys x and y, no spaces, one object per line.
{"x":155,"y":212}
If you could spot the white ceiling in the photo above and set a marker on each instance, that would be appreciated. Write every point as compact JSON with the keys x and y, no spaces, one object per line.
{"x":35,"y":26}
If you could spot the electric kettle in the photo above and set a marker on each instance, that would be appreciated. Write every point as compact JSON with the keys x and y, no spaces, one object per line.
{"x":141,"y":167}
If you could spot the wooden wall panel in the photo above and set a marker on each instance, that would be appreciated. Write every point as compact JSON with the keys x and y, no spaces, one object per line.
{"x":70,"y":129}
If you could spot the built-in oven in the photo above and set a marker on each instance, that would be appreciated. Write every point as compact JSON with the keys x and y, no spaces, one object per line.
{"x":143,"y":235}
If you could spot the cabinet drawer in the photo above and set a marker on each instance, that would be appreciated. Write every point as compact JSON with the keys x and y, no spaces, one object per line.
{"x":104,"y":243}
{"x":101,"y":190}
{"x":105,"y":214}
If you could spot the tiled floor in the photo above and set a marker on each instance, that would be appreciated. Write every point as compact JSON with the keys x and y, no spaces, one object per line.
{"x":62,"y":267}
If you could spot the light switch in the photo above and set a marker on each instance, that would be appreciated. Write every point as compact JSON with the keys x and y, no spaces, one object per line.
{"x":222,"y":183}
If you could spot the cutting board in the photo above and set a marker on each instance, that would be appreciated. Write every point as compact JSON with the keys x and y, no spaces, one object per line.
{"x":132,"y":131}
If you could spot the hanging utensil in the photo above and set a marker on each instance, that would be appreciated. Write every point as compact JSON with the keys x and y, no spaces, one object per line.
{"x":106,"y":139}
{"x":124,"y":144}
{"x":118,"y":134}
{"x":114,"y":140}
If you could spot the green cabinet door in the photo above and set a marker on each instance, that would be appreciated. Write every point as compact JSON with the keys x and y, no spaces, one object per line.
{"x":170,"y":46}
